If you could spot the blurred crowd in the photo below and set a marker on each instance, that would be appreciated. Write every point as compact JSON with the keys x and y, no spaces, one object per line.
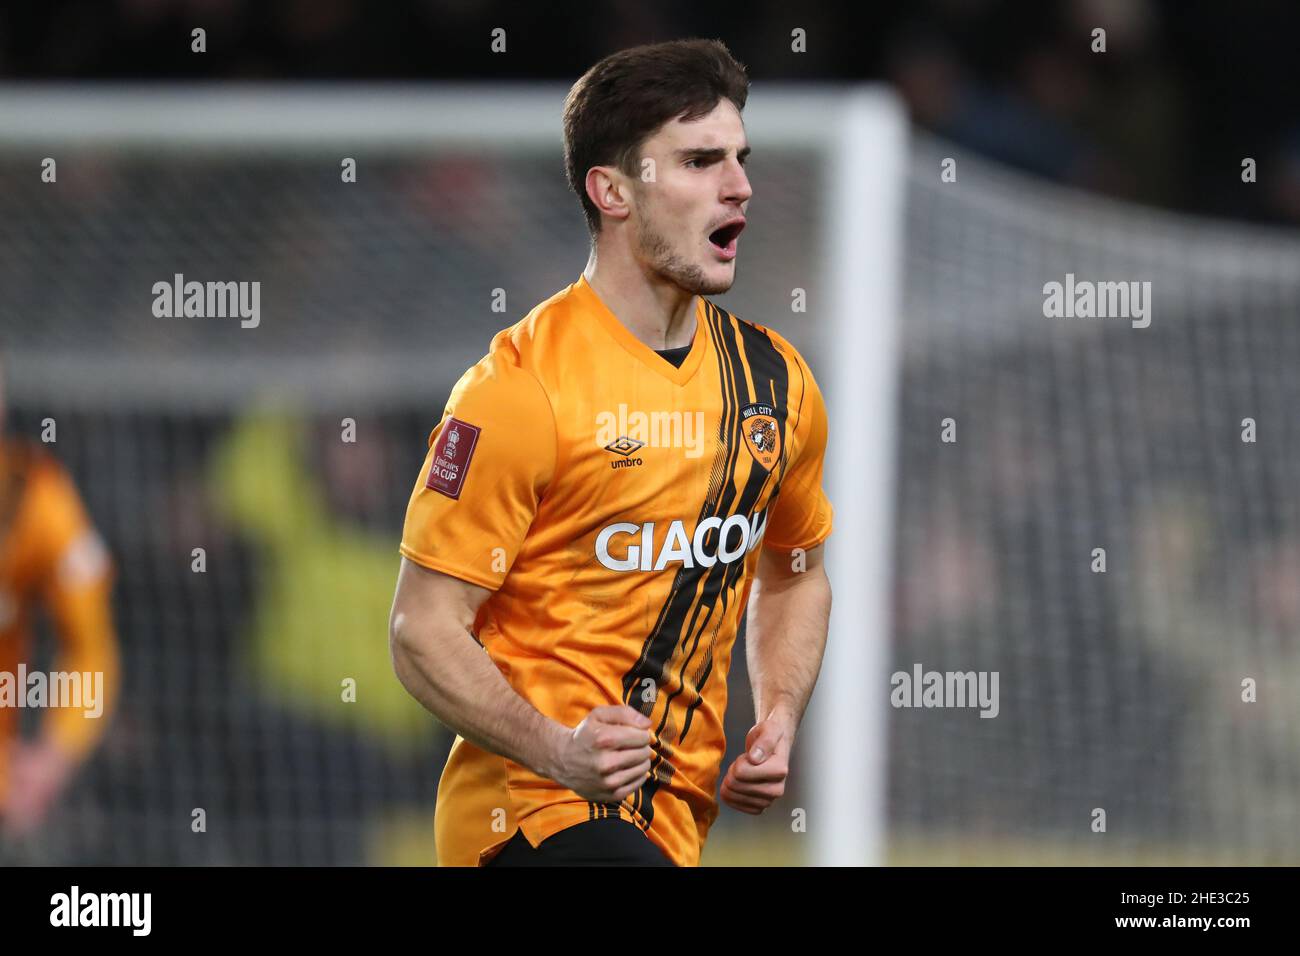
{"x":1184,"y":92}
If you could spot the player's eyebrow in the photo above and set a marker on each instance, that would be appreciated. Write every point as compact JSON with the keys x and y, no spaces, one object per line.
{"x":710,"y":152}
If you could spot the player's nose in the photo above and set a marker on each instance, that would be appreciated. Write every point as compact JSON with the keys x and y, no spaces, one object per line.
{"x":735,"y":185}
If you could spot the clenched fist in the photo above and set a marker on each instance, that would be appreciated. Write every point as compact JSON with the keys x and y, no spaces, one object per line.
{"x":757,"y":777}
{"x":607,"y":756}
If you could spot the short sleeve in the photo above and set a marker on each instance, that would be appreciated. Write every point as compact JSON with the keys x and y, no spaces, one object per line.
{"x":801,"y":517}
{"x":72,"y":556}
{"x":489,"y":460}
{"x":75,"y":579}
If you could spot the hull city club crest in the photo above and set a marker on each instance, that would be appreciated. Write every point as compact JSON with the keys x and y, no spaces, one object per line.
{"x":758,"y":424}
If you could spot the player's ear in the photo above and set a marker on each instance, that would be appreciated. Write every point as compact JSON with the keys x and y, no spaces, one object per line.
{"x":608,"y":191}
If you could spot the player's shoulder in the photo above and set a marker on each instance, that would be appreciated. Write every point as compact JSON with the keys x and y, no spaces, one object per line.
{"x":553,"y":327}
{"x":26,"y":464}
{"x":531,"y":356}
{"x":526,"y":344}
{"x":513,"y":370}
{"x":37,"y":481}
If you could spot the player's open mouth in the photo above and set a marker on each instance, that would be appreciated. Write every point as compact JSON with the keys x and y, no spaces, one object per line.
{"x":724,"y":237}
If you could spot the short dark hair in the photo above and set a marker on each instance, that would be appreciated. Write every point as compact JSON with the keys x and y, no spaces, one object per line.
{"x":625,"y":98}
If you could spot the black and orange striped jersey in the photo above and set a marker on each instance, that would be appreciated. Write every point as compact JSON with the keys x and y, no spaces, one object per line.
{"x":614,"y":504}
{"x":52,"y":558}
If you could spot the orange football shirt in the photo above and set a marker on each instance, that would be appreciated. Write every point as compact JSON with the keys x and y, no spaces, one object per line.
{"x":51,"y":557}
{"x":614,"y":505}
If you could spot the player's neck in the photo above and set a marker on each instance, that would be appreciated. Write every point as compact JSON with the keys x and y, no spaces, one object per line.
{"x":660,"y":314}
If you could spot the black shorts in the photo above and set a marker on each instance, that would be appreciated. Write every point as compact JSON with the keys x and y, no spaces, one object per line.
{"x":608,"y":841}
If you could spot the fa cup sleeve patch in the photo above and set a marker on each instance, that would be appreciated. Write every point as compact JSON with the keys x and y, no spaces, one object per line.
{"x":451,"y":457}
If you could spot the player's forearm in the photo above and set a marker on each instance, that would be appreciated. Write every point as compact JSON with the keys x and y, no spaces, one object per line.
{"x":447,"y":671}
{"x":785,"y":638}
{"x":88,"y":648}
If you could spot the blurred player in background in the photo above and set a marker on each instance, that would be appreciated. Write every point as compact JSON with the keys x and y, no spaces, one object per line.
{"x":51,"y":558}
{"x":605,"y":562}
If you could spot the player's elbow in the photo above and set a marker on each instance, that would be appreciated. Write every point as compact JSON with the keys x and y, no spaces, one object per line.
{"x":404,"y":652}
{"x":403,"y":643}
{"x":431,"y":613}
{"x":415,"y":635}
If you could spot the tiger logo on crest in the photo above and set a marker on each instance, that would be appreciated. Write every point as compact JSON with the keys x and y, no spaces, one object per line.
{"x":758,"y":425}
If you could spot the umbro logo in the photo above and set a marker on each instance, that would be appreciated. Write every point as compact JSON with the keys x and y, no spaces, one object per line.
{"x":625,"y":446}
